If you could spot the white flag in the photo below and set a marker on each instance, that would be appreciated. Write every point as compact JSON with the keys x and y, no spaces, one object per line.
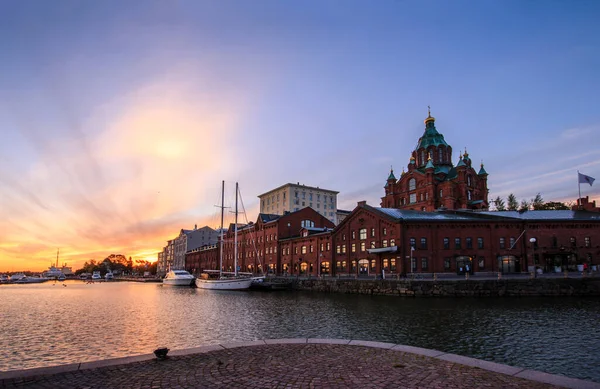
{"x":583,"y":179}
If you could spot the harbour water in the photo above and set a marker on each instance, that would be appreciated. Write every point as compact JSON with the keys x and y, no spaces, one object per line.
{"x":50,"y":324}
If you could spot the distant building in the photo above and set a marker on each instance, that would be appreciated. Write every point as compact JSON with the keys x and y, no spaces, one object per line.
{"x":433,"y":182}
{"x":341,"y":215}
{"x":585,"y":204}
{"x":294,"y":197}
{"x":200,"y":237}
{"x":173,"y":254}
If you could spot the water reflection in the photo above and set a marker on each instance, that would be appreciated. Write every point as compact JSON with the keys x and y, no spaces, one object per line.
{"x":47,"y":325}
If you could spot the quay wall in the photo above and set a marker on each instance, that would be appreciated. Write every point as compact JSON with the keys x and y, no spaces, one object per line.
{"x":456,"y":288}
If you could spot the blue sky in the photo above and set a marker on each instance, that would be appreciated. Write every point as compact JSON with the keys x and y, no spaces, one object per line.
{"x":119,"y":119}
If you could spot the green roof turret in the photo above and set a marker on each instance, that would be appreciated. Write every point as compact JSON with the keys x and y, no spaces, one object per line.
{"x":391,"y":176}
{"x":482,"y":171}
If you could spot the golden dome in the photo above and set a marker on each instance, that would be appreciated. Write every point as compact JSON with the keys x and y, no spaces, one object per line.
{"x":429,"y":117}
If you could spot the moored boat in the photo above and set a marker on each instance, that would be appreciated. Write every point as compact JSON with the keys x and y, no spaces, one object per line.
{"x":178,"y":278}
{"x":217,"y":279}
{"x":96,"y":276}
{"x":109,"y":276}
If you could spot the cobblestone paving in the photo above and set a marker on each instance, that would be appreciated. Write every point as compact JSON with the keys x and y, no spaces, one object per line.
{"x":283,"y":366}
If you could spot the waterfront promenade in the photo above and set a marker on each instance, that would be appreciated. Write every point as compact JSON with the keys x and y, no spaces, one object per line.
{"x":291,"y":363}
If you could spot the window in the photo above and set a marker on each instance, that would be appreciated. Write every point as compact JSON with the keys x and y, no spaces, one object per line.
{"x":384,"y":231}
{"x":502,"y":243}
{"x":296,"y":250}
{"x":343,"y":249}
{"x":362,"y":233}
{"x":424,"y":264}
{"x":447,"y":263}
{"x":311,"y":248}
{"x":392,"y":242}
{"x":481,"y":263}
{"x":469,"y":180}
{"x":413,"y":264}
{"x":554,"y":242}
{"x":412,"y":198}
{"x":393,"y":264}
{"x":307,"y":223}
{"x":353,"y":234}
{"x":573,"y":241}
{"x":446,"y":243}
{"x":343,"y":236}
{"x":412,"y":184}
{"x":372,"y":232}
{"x":362,"y":247}
{"x":321,"y":247}
{"x":303,"y":249}
{"x":384,"y":243}
{"x":423,"y":243}
{"x":372,"y":244}
{"x":512,"y":243}
{"x":480,"y":243}
{"x":441,"y":193}
{"x":457,"y":244}
{"x":338,"y":249}
{"x":588,"y":242}
{"x":469,"y":243}
{"x":412,"y":242}
{"x":328,"y":247}
{"x":353,"y":247}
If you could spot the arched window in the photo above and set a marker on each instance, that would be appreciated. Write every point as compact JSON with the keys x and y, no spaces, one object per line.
{"x":441,"y":155}
{"x":412,"y":184}
{"x":469,"y":180}
{"x":422,"y":157}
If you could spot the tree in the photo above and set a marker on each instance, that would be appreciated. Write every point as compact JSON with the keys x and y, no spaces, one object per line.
{"x":554,"y":205}
{"x":537,"y":202}
{"x":524,"y":206}
{"x":513,"y":204}
{"x":499,"y":203}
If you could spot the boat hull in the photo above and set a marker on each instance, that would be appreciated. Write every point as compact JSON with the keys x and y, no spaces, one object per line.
{"x":224,"y":284}
{"x":178,"y":282}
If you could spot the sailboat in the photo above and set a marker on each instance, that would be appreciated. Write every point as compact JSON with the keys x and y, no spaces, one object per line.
{"x":209,"y":280}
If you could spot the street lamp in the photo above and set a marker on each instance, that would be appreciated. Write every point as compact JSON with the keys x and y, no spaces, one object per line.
{"x":532,"y":241}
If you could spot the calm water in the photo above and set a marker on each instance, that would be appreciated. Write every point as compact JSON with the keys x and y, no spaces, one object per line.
{"x":48,"y":324}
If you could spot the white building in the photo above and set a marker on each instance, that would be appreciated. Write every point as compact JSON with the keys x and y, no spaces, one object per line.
{"x":293,"y":197}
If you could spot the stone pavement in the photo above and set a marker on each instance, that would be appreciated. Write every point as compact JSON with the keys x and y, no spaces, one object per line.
{"x":291,"y":363}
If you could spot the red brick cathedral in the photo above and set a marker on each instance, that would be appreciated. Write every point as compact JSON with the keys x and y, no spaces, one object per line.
{"x":433,"y":182}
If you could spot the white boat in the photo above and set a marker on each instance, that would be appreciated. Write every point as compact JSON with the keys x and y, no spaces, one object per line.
{"x":53,"y":272}
{"x":3,"y":278}
{"x":96,"y":276}
{"x":31,"y":280}
{"x":178,"y":278}
{"x":109,"y":276}
{"x":84,"y":276}
{"x":208,"y":280}
{"x":17,"y":277}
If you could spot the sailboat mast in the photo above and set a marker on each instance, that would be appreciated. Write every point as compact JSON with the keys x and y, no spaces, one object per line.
{"x":235,"y":246}
{"x":221,"y":246}
{"x":57,"y":250}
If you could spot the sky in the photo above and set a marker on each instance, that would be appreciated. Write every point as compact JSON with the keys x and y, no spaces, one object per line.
{"x":119,"y":119}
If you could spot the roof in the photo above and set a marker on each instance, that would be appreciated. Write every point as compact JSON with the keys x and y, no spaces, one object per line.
{"x":298,"y":185}
{"x":267,"y":217}
{"x":402,"y":214}
{"x":431,"y":137}
{"x":545,"y":215}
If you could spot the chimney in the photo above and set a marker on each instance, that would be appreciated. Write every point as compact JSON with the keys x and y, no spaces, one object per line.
{"x":361,"y":203}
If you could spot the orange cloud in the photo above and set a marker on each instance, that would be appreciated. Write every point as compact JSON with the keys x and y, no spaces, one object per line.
{"x":152,"y":168}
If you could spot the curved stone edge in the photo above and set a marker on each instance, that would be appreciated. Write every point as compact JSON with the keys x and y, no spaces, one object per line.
{"x":531,"y":375}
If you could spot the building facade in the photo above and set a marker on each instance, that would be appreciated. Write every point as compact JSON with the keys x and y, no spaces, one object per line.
{"x":293,"y":197}
{"x":433,"y":219}
{"x":433,"y":182}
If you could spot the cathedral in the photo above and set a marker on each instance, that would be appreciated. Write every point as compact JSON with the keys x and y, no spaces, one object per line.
{"x":432,"y":182}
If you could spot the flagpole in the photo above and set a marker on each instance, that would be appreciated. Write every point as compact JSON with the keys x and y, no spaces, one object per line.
{"x":579,"y":185}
